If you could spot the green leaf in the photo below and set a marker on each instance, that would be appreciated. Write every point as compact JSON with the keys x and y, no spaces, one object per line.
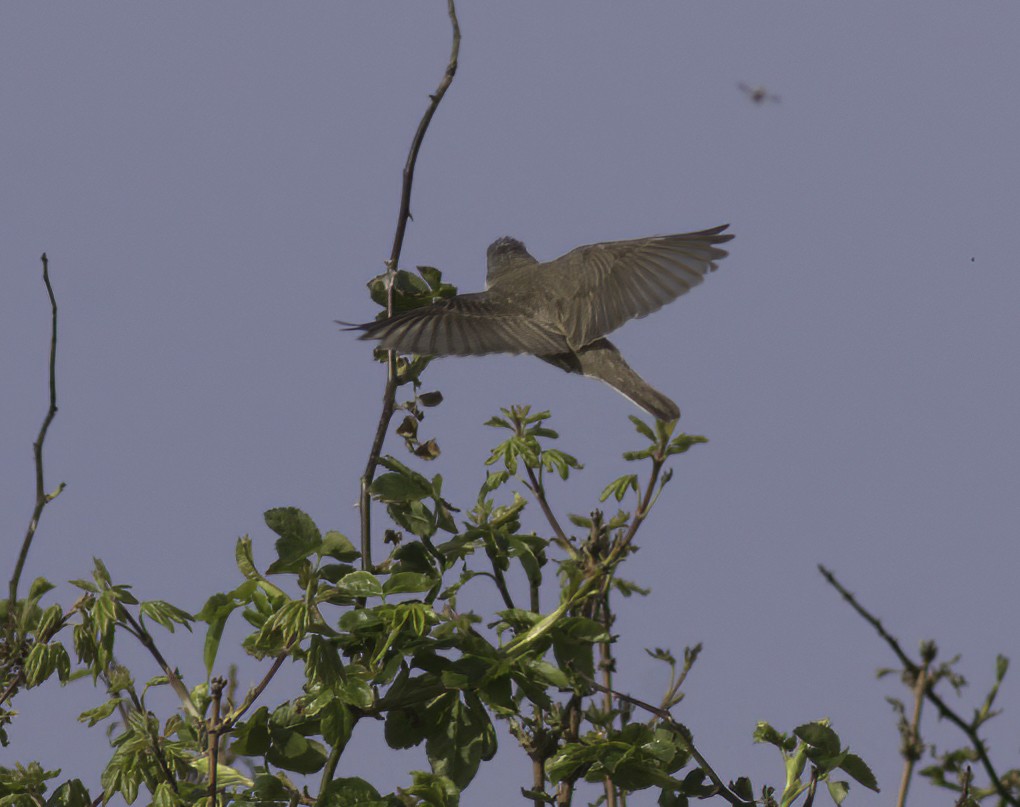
{"x":643,"y":428}
{"x":430,"y":398}
{"x":360,"y":584}
{"x":820,"y":736}
{"x":356,"y":692}
{"x":395,"y":487}
{"x":408,"y":582}
{"x":251,"y":737}
{"x":246,"y":564}
{"x":299,"y":538}
{"x":48,"y":622}
{"x":215,"y":612}
{"x":569,"y":759}
{"x":37,"y":667}
{"x":101,"y":712}
{"x":405,"y":728}
{"x":337,"y":723}
{"x":164,"y":796}
{"x":743,"y":788}
{"x":165,"y":614}
{"x":414,"y":517}
{"x":323,"y":664}
{"x":618,"y":487}
{"x":39,"y":587}
{"x":765,"y":733}
{"x":338,"y":546}
{"x":225,"y":775}
{"x":351,"y":792}
{"x":460,"y":737}
{"x":682,"y":442}
{"x":269,"y":788}
{"x":838,"y":790}
{"x":434,"y":790}
{"x":859,"y":770}
{"x":293,"y":752}
{"x":70,"y":794}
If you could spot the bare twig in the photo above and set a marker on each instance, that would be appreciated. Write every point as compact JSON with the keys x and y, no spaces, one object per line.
{"x":42,"y":498}
{"x":912,"y":741}
{"x":389,"y":392}
{"x":914,"y":669}
{"x":964,"y":799}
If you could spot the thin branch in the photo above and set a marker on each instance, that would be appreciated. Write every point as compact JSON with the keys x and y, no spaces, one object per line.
{"x":538,"y":491}
{"x":688,"y":740}
{"x":143,"y":636}
{"x":213,"y":744}
{"x":914,"y":669}
{"x":607,"y":664}
{"x":41,"y":497}
{"x":389,"y":391}
{"x":253,"y":694}
{"x":658,"y":461}
{"x":912,"y":746}
{"x":812,"y":785}
{"x":964,"y":799}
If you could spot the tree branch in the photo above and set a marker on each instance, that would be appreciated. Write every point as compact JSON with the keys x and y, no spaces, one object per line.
{"x":253,"y":694}
{"x":914,"y":669}
{"x":41,"y":497}
{"x":538,"y":491}
{"x":912,"y":746}
{"x":389,"y":391}
{"x":143,"y":636}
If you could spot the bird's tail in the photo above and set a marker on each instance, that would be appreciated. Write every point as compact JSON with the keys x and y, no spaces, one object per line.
{"x":603,"y":361}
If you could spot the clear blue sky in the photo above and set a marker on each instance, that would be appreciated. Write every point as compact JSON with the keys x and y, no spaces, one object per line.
{"x":215,"y":183}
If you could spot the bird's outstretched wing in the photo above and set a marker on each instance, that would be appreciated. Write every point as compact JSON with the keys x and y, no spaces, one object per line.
{"x":607,"y":284}
{"x":465,"y":325}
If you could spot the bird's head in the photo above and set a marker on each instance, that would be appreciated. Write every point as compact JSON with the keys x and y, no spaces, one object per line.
{"x":505,"y":254}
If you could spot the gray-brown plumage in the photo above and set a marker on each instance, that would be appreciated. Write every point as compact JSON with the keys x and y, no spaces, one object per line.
{"x":561,"y":310}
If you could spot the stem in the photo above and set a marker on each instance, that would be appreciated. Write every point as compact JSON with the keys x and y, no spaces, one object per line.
{"x":41,"y":497}
{"x":812,"y":785}
{"x":389,"y":391}
{"x":253,"y":694}
{"x":149,"y":644}
{"x":216,"y":690}
{"x":538,"y":490}
{"x":606,"y":666}
{"x":912,"y":749}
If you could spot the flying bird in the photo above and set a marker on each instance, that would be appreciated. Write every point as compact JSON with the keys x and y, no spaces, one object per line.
{"x":561,"y":310}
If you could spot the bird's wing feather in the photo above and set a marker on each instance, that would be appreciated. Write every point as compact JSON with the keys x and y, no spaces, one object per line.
{"x":465,"y":325}
{"x":613,"y":282}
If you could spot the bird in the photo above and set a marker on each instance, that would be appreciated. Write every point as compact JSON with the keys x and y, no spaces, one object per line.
{"x":561,"y":310}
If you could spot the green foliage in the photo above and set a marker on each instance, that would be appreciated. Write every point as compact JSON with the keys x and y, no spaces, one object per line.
{"x":387,"y":643}
{"x":392,"y":641}
{"x":815,"y":743}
